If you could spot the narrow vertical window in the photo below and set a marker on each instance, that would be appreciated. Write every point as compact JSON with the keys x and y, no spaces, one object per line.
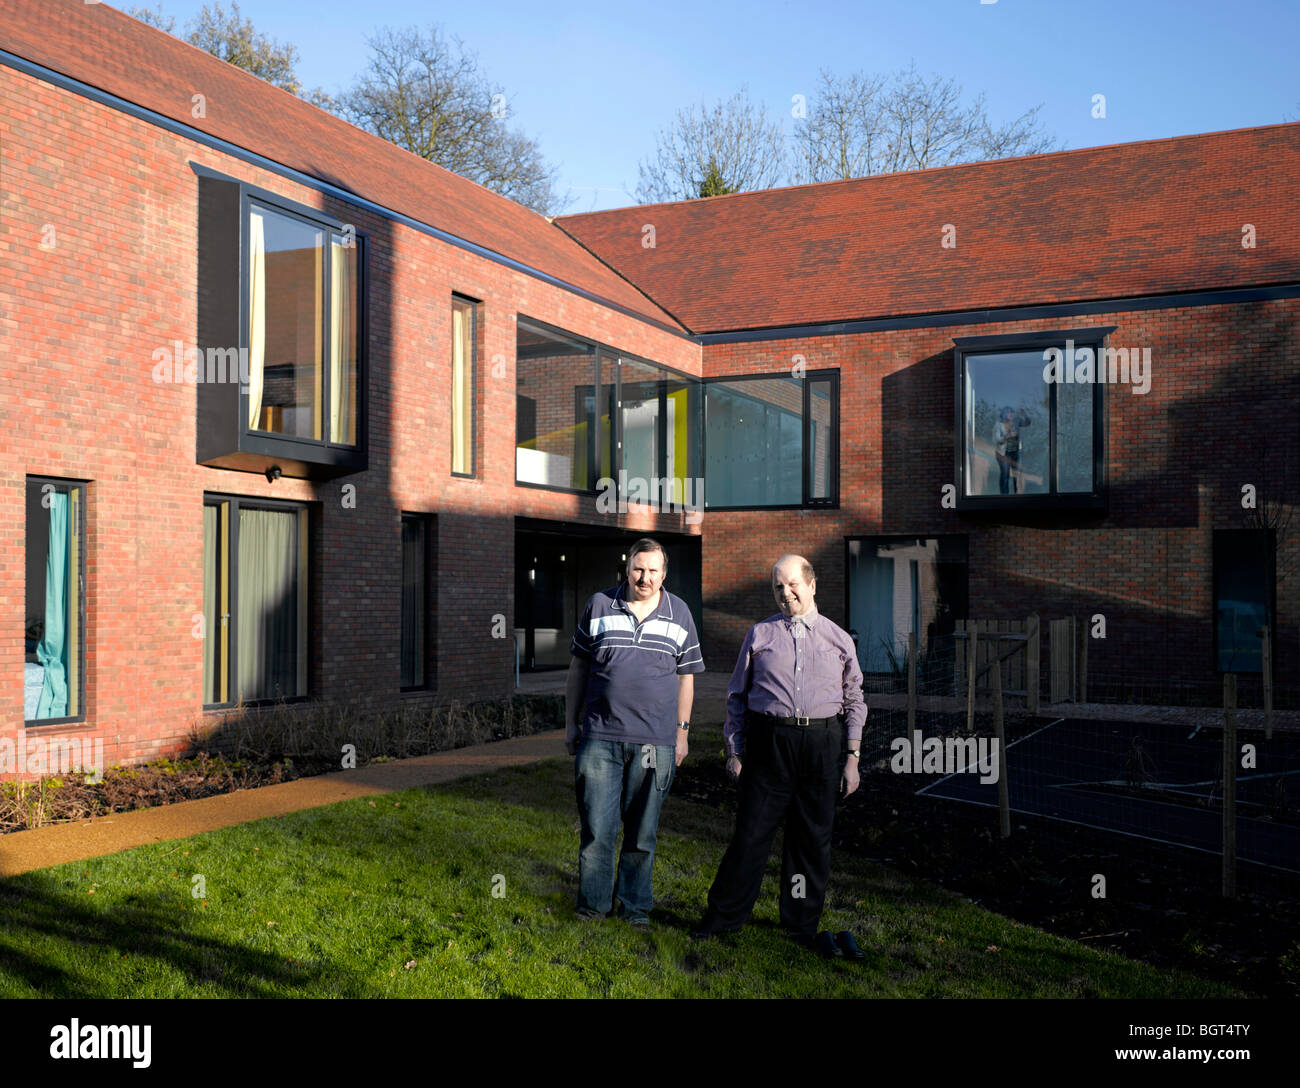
{"x":414,"y":615}
{"x":343,"y":341}
{"x":1244,"y":587}
{"x":216,"y":602}
{"x":463,"y":355}
{"x":55,"y":608}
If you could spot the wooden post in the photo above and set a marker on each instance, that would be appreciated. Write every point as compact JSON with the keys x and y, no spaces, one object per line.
{"x":1031,"y":664}
{"x":911,"y":684}
{"x":1085,"y":636}
{"x":1004,"y":802}
{"x":1230,"y":786}
{"x":1267,"y":650}
{"x":972,"y":636}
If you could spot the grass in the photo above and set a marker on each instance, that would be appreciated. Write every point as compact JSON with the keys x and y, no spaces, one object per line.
{"x":394,"y":897}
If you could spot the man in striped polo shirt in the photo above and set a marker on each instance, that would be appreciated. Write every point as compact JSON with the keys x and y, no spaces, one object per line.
{"x":627,"y":711}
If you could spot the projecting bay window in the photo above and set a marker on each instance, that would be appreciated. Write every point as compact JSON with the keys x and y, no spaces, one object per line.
{"x":279,"y":360}
{"x":464,"y":369}
{"x":254,"y":601}
{"x":1029,"y":435}
{"x":772,"y":440}
{"x":54,"y":631}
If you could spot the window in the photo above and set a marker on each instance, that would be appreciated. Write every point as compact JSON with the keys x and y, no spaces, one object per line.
{"x":658,"y":430}
{"x":54,"y":631}
{"x":282,"y":295}
{"x":1243,"y":597}
{"x":415,"y":611}
{"x":902,"y":585}
{"x":464,"y":369}
{"x":772,"y":440}
{"x":254,"y":601}
{"x":555,"y":420}
{"x":1025,"y":440}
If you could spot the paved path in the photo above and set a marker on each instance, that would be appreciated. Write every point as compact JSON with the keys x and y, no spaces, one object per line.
{"x":22,"y":851}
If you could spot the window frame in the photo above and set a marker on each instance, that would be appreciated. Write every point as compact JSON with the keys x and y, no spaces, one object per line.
{"x":79,"y":534}
{"x":471,"y":362}
{"x":613,"y":438}
{"x":235,"y":698}
{"x":1028,"y":343}
{"x":224,"y":235}
{"x":806,"y":468}
{"x":426,"y":626}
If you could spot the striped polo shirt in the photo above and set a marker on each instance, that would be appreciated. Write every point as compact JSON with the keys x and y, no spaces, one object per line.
{"x":631,"y":682}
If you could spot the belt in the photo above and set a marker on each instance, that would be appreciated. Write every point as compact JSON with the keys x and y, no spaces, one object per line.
{"x":801,"y":723}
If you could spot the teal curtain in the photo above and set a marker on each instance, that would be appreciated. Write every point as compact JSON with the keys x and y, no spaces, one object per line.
{"x":52,"y":652}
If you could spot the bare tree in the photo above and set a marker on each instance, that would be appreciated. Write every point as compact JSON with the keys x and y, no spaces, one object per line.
{"x":425,"y":93}
{"x":235,"y":40}
{"x":865,"y":124}
{"x":732,"y":147}
{"x":154,"y":16}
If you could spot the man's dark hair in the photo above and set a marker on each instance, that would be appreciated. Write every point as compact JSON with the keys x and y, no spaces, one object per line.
{"x":645,"y":544}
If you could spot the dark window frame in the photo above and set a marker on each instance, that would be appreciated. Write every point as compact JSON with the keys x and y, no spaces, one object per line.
{"x":426,"y":523}
{"x":832,"y":501}
{"x":1270,"y":606}
{"x":598,"y":436}
{"x":235,"y":699}
{"x":472,"y":357}
{"x":1029,"y":342}
{"x":79,"y":531}
{"x":226,"y":323}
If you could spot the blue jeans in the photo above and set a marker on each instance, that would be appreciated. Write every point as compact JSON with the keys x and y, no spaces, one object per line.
{"x":615,"y":785}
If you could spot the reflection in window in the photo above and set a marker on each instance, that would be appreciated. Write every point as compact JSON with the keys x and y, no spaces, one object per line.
{"x":463,"y":355}
{"x":658,"y":438}
{"x":55,"y":612}
{"x":1024,"y":435}
{"x":555,"y":424}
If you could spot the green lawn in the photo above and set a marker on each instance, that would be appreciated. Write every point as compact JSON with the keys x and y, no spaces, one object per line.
{"x":394,"y":898}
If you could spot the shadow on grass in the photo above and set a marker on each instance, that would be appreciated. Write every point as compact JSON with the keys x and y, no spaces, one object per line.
{"x":146,"y":932}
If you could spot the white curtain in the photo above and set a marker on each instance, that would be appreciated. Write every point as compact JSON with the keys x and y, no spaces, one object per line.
{"x":343,"y":344}
{"x":256,"y":315}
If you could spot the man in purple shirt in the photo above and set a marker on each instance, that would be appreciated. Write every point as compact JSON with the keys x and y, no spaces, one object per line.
{"x":795,"y":714}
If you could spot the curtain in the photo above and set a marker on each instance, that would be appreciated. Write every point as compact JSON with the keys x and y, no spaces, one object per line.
{"x":268,"y":604}
{"x":256,"y":315}
{"x":459,"y":390}
{"x":343,"y":344}
{"x":52,"y":652}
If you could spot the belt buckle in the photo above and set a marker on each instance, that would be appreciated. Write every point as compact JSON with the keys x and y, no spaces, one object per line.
{"x":802,"y":723}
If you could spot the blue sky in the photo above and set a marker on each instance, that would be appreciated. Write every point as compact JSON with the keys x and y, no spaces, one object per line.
{"x":593,"y":83}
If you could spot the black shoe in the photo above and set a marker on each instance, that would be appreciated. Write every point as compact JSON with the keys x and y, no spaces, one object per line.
{"x":848,"y":946}
{"x":821,"y":945}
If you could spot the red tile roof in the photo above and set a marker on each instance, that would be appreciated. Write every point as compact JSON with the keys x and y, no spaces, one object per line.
{"x":108,"y":50}
{"x":1145,"y":218}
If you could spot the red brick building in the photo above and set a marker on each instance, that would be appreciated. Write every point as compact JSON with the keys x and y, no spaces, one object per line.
{"x":290,"y":414}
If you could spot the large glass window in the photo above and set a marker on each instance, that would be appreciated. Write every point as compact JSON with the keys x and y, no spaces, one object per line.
{"x":463,"y":379}
{"x":255,"y":601}
{"x":54,"y":621}
{"x":556,"y":424}
{"x":302,"y":327}
{"x":1022,"y":437}
{"x":1243,"y":597}
{"x":771,"y":441}
{"x":659,"y":435}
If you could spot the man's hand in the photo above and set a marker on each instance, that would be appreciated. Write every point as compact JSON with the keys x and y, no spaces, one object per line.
{"x":733,"y":767}
{"x":849,"y":782}
{"x":572,"y":738}
{"x":683,"y":745}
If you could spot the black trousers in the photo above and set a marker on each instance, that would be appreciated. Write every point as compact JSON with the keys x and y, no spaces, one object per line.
{"x":788,"y":774}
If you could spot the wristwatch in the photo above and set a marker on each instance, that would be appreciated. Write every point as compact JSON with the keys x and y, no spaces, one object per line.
{"x":856,"y":753}
{"x":685,"y":727}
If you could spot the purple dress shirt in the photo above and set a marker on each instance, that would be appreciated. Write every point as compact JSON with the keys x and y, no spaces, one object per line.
{"x":805,"y":667}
